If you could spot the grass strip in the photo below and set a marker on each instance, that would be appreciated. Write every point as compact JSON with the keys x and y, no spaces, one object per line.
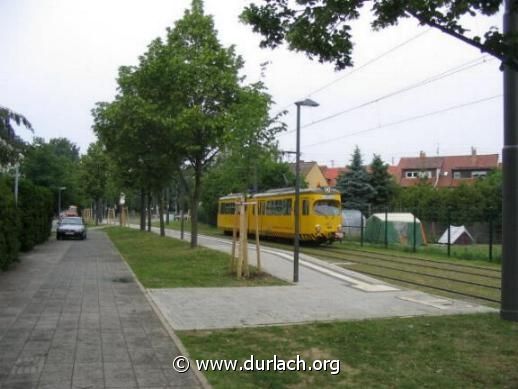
{"x":163,"y":262}
{"x":463,"y":351}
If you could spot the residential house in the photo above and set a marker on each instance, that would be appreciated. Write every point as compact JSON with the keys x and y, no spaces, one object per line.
{"x":311,"y":173}
{"x":331,"y":174}
{"x":443,"y":171}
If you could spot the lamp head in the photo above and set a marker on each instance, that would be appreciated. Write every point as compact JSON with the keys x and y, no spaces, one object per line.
{"x":307,"y":103}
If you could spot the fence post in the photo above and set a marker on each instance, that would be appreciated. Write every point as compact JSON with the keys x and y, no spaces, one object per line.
{"x":386,"y":227}
{"x":361,"y":229}
{"x":449,"y":231}
{"x":491,"y":236}
{"x":414,"y":248}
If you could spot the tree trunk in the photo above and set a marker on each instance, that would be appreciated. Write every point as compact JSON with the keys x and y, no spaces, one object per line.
{"x":167,"y":206}
{"x":194,"y":205}
{"x":161,"y":212}
{"x":149,"y":212}
{"x":98,"y":212}
{"x":142,"y":210}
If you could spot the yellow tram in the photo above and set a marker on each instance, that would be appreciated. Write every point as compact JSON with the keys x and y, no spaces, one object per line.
{"x":320,"y":218}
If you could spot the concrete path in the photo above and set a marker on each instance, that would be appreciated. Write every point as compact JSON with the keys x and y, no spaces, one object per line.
{"x":324,"y":293}
{"x":71,"y":316}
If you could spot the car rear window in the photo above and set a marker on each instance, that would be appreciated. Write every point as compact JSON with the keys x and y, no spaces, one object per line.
{"x":71,"y":221}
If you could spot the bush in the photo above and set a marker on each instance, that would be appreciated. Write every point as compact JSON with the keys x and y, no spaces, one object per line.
{"x":35,"y":206}
{"x":9,"y":226}
{"x":24,"y":226}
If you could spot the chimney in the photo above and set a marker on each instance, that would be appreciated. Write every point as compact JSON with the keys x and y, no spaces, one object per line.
{"x":473,"y":151}
{"x":422,"y":154}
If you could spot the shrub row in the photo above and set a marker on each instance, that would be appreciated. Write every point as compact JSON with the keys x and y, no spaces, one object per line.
{"x":25,"y":225}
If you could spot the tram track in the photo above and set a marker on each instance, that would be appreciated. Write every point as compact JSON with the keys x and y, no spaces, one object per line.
{"x":433,"y":275}
{"x":421,"y":263}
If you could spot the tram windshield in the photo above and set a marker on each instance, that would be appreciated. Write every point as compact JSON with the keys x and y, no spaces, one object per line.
{"x":327,"y":207}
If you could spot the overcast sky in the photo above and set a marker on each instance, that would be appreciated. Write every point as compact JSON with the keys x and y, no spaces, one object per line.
{"x":59,"y":57}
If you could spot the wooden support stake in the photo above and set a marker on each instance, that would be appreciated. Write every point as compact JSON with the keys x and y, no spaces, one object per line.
{"x":242,"y":228}
{"x":234,"y":238}
{"x":257,"y":247}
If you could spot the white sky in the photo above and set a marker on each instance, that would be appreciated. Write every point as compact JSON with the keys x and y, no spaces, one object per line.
{"x":59,"y":57}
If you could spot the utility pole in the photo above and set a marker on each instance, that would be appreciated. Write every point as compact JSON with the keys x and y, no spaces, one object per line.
{"x":509,"y":307}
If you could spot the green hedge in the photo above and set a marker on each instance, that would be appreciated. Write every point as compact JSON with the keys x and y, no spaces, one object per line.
{"x":35,"y":206}
{"x":24,"y":226}
{"x":9,"y":226}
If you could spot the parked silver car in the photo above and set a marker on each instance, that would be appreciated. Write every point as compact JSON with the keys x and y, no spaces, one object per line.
{"x":71,"y":227}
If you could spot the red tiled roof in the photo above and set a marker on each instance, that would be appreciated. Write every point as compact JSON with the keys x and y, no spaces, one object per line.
{"x":420,"y":163}
{"x":332,"y":173}
{"x":446,"y":166}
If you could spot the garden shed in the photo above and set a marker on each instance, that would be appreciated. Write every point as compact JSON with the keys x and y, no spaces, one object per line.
{"x":400,"y":229}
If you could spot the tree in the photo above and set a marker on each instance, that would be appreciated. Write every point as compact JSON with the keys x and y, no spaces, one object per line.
{"x":322,"y":28}
{"x":141,"y":147}
{"x":382,"y":182}
{"x":354,"y":185}
{"x":193,"y":83}
{"x":10,"y":144}
{"x":94,"y":174}
{"x":52,"y":165}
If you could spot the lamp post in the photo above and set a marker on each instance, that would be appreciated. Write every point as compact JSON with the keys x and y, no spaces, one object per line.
{"x":296,"y":241}
{"x":59,"y":199}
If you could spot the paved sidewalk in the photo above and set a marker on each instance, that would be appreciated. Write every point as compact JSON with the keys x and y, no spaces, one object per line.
{"x":324,"y":293}
{"x":71,"y":316}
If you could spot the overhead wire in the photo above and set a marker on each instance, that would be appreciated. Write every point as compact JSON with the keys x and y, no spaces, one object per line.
{"x":444,"y":110}
{"x":439,"y":76}
{"x":361,"y":67}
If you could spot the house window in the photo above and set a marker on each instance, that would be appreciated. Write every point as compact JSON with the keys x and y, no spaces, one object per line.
{"x":478,"y":173}
{"x":418,"y":174}
{"x":466,"y":174}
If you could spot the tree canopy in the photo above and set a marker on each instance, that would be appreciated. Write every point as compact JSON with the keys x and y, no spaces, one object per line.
{"x":180,"y":107}
{"x":322,"y":28}
{"x":11,"y":145}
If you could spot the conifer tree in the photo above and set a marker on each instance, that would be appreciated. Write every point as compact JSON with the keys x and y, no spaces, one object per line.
{"x":355,"y":186}
{"x":382,"y":182}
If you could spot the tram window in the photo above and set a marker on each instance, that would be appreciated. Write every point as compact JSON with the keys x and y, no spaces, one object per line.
{"x":278,"y":207}
{"x":227,"y":208}
{"x":327,"y":207}
{"x":305,"y":207}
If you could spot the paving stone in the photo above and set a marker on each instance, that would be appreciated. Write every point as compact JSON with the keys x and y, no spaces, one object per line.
{"x":57,"y":374}
{"x":119,"y":375}
{"x":88,"y":374}
{"x":150,"y":376}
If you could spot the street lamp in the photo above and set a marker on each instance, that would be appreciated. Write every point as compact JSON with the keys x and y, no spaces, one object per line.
{"x":296,"y":243}
{"x":59,"y":199}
